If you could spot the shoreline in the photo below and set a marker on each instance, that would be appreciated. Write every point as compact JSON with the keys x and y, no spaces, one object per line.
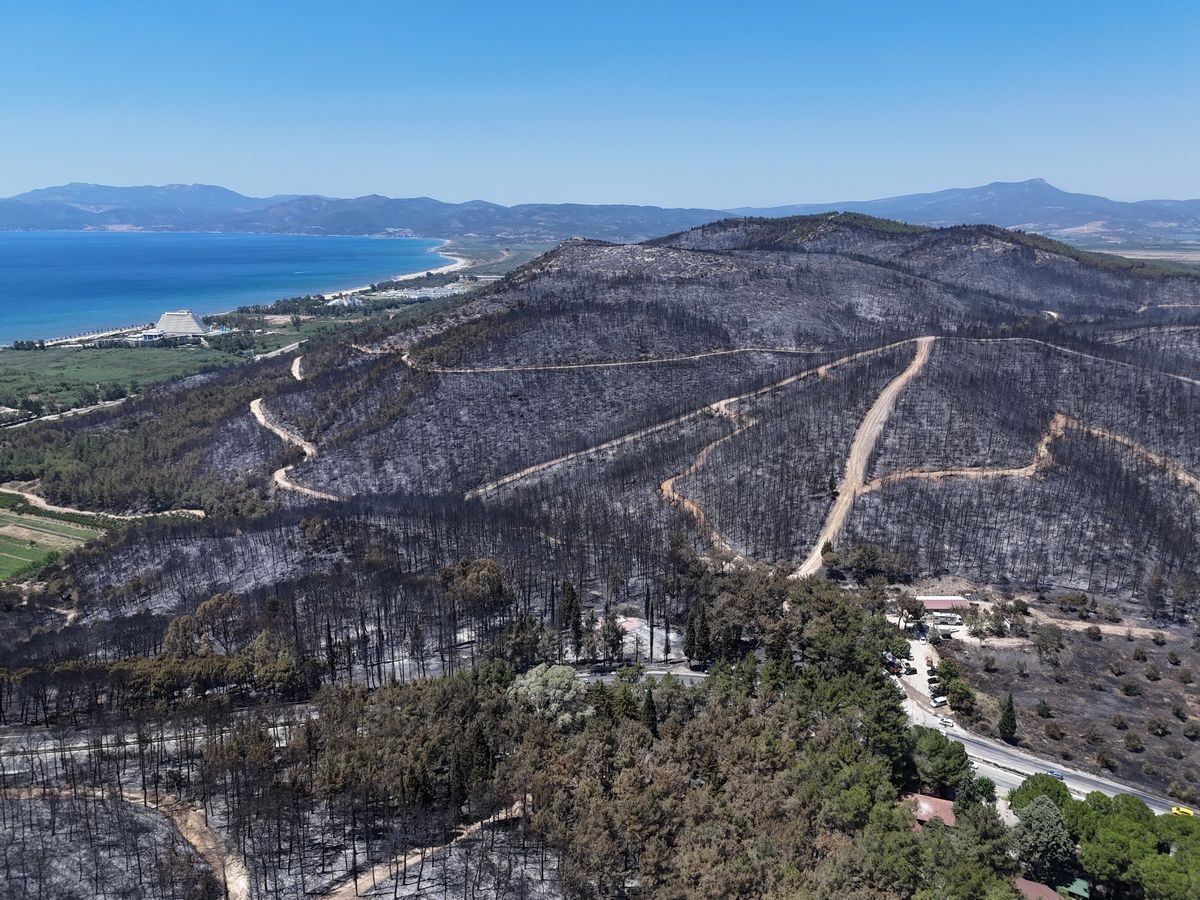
{"x":457,"y":263}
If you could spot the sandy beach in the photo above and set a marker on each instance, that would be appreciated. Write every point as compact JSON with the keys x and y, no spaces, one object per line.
{"x":459,"y":263}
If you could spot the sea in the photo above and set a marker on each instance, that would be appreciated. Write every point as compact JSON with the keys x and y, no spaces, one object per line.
{"x":65,"y":283}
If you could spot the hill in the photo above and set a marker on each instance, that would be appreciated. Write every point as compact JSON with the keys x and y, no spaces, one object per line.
{"x":1034,"y":205}
{"x":1082,"y":220}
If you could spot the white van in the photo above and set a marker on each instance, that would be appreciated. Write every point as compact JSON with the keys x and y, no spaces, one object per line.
{"x":938,"y":701}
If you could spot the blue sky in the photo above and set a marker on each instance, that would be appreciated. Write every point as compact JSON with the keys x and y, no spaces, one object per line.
{"x":680,"y":104}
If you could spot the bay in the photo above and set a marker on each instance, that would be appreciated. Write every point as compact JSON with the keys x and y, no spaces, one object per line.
{"x":60,"y":283}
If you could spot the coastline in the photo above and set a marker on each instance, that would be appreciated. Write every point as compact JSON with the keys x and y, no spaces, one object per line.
{"x":457,"y":263}
{"x":460,"y":262}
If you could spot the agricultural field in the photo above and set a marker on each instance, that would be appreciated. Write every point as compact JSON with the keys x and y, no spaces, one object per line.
{"x":29,"y":540}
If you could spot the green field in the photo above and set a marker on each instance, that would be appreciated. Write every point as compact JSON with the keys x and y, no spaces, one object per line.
{"x":28,"y":541}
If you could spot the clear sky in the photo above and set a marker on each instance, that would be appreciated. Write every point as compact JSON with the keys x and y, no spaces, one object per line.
{"x":713,"y":104}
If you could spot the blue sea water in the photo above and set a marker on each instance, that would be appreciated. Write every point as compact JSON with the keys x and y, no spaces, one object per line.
{"x":63,"y":283}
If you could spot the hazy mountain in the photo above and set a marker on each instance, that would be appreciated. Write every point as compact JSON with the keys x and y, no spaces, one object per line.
{"x":1081,"y":219}
{"x":1033,"y":205}
{"x":170,"y":206}
{"x":206,"y":207}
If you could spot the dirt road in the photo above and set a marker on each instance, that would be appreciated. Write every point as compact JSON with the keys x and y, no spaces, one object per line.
{"x":865,"y":439}
{"x":282,"y":476}
{"x":385,"y":872}
{"x":1042,"y":458}
{"x":720,"y":407}
{"x":189,"y":820}
{"x":21,"y":490}
{"x":406,"y":358}
{"x":296,"y":368}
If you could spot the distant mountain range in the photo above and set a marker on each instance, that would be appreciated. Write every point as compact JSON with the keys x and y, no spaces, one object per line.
{"x":1081,"y":219}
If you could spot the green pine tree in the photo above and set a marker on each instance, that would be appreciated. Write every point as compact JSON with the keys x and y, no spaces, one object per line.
{"x":650,"y":712}
{"x":1008,"y":721}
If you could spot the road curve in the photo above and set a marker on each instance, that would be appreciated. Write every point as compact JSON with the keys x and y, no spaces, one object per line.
{"x":720,"y":407}
{"x":865,"y":439}
{"x":282,"y":476}
{"x":41,"y":503}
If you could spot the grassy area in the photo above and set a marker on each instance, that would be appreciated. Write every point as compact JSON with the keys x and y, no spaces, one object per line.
{"x":28,"y":541}
{"x":68,"y":376}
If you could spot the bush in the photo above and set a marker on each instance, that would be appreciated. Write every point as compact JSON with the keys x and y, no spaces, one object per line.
{"x":1158,"y":727}
{"x":1054,"y":731}
{"x":1093,"y":632}
{"x":1173,"y":658}
{"x":1139,"y":654}
{"x":1093,"y":737}
{"x":1117,"y":667}
{"x":1185,"y":676}
{"x":1131,"y":688}
{"x":1159,"y":639}
{"x":1191,"y":731}
{"x":1105,"y":759}
{"x":1179,"y":710}
{"x":1043,"y":710}
{"x":1152,"y":673}
{"x":989,"y":663}
{"x":1133,"y":743}
{"x":1118,"y":722}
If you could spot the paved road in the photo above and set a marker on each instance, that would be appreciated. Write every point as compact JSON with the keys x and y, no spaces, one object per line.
{"x":1008,"y":766}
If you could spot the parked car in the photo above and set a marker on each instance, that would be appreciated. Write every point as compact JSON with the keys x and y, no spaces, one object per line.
{"x":1054,"y":773}
{"x":946,"y":723}
{"x":939,"y":701}
{"x":1182,"y":811}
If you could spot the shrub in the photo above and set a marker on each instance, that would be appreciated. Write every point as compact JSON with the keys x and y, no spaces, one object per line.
{"x":1022,"y":668}
{"x":1111,"y":615}
{"x":1097,"y":686}
{"x":1173,"y":658}
{"x":1131,"y":688}
{"x":1174,"y":753}
{"x":1117,"y":667}
{"x":1133,"y":743}
{"x":1093,"y":737}
{"x":1140,"y":654}
{"x":1179,"y":710}
{"x":1118,"y":722}
{"x":1159,"y":639}
{"x":1153,"y":673}
{"x":1054,"y":731}
{"x":1185,"y":676}
{"x":1105,"y":759}
{"x":1157,"y":727}
{"x":989,"y":663}
{"x":1184,"y":792}
{"x":1093,"y":632}
{"x":1191,"y":731}
{"x":1043,"y":710}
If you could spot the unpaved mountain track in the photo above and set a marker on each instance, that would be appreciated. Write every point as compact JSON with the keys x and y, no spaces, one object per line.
{"x":864,"y":442}
{"x":296,"y":369}
{"x":1042,"y":459}
{"x":387,"y":871}
{"x":406,"y":358}
{"x":719,"y":407}
{"x":282,"y":476}
{"x":1079,"y":353}
{"x":34,"y":500}
{"x":188,"y":819}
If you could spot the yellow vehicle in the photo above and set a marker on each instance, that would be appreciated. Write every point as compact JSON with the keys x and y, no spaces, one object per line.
{"x":1182,"y":811}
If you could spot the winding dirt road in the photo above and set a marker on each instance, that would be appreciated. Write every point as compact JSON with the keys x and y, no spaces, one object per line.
{"x":865,"y":439}
{"x":720,"y":407}
{"x":282,"y":476}
{"x":189,"y":820}
{"x":1042,"y":459}
{"x":406,"y":358}
{"x":296,"y":369}
{"x":384,"y":872}
{"x":21,"y":490}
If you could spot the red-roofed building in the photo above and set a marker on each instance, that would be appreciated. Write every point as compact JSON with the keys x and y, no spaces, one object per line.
{"x":944,"y":603}
{"x":1035,"y":890}
{"x":928,"y":808}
